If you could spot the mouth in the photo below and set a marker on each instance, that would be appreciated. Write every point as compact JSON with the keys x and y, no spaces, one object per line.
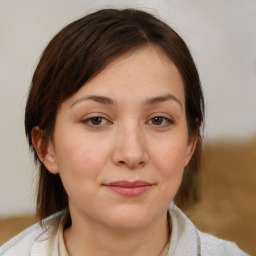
{"x":128,"y":188}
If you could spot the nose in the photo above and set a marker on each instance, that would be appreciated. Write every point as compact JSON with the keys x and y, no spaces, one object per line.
{"x":130,"y":148}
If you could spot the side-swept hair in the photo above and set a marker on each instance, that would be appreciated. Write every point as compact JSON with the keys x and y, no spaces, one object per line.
{"x":78,"y":53}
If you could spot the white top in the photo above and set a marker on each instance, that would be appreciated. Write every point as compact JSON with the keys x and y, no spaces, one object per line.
{"x":186,"y":240}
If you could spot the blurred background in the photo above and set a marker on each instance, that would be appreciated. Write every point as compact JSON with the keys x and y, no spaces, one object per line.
{"x":222,"y":38}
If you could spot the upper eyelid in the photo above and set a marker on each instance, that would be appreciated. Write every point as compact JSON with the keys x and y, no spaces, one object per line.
{"x":164,"y":117}
{"x":88,"y":122}
{"x":91,"y":117}
{"x":96,"y":114}
{"x":109,"y":119}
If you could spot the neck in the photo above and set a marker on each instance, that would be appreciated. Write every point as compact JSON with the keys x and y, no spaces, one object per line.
{"x":94,"y":239}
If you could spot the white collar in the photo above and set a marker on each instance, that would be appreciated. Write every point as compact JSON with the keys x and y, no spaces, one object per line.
{"x":184,"y":237}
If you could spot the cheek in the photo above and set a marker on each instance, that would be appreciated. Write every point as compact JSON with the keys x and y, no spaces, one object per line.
{"x":169,"y":161}
{"x":79,"y":168}
{"x":171,"y":156}
{"x":79,"y":165}
{"x":171,"y":169}
{"x":169,"y":165}
{"x":79,"y":153}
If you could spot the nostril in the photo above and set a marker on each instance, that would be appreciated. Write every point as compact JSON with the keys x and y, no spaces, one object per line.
{"x":132,"y":165}
{"x":141,"y":163}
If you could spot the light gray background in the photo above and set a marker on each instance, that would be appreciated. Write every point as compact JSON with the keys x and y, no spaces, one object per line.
{"x":220,"y":33}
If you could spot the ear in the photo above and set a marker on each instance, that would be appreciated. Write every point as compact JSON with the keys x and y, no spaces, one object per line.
{"x":192,"y":142}
{"x":44,"y":150}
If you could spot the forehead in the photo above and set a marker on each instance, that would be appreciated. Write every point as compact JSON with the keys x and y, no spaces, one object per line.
{"x":146,"y":72}
{"x":147,"y":58}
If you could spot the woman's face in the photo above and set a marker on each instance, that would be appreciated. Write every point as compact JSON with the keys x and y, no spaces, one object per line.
{"x":121,"y":142}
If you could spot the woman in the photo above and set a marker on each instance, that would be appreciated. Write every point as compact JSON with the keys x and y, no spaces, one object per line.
{"x":113,"y":117}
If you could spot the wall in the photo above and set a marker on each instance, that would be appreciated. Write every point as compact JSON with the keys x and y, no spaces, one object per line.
{"x":220,"y":34}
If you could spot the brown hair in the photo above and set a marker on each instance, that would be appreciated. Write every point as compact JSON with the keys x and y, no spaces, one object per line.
{"x":77,"y":54}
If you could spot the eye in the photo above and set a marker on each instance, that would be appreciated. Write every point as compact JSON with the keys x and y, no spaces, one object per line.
{"x":160,"y":121}
{"x":95,"y":121}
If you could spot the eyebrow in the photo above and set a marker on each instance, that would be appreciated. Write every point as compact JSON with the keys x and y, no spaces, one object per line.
{"x":99,"y":99}
{"x":108,"y":101}
{"x":160,"y":99}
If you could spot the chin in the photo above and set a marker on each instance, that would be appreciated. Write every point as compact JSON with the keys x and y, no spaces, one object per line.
{"x":130,"y":218}
{"x":128,"y":223}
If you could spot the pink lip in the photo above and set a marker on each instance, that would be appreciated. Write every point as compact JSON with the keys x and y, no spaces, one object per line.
{"x":128,"y":188}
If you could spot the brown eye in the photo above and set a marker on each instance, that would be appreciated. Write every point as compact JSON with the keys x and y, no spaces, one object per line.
{"x":157,"y":120}
{"x":96,"y":120}
{"x":161,"y":121}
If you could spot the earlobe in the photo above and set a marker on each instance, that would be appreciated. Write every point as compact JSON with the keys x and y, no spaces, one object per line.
{"x":191,"y":148}
{"x":44,"y":150}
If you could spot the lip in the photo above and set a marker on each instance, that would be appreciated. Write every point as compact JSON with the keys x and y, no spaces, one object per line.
{"x":129,"y":188}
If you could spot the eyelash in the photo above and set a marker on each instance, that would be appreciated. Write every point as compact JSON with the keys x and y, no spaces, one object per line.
{"x":163,"y":119}
{"x":167,"y":121}
{"x":89,"y":120}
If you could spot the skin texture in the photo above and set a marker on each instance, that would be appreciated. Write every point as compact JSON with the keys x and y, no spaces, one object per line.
{"x":141,"y":135}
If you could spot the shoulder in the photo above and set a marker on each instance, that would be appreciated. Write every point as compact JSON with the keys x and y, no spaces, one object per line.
{"x":24,"y":242}
{"x":213,"y":246}
{"x":190,"y":241}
